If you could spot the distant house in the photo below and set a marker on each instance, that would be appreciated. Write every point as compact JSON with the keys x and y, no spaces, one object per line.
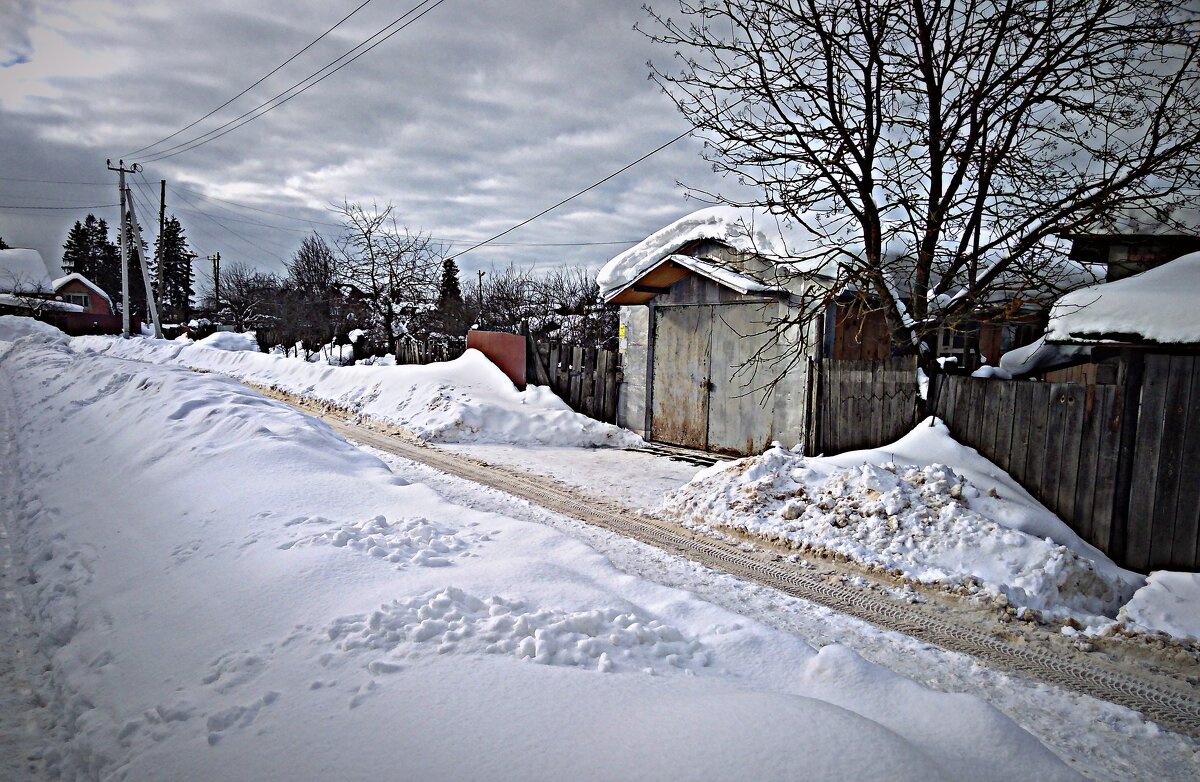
{"x":72,"y":303}
{"x":77,"y":289}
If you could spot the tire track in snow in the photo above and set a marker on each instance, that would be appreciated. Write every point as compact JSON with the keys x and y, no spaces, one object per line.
{"x":1161,"y":699}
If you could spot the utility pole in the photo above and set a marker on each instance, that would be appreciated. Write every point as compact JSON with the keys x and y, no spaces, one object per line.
{"x":162,"y":216}
{"x":137,"y":245}
{"x":479,"y":317}
{"x":121,"y":171}
{"x":216,"y":276}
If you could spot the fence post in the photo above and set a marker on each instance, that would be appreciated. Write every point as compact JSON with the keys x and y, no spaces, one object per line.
{"x":1132,"y":369}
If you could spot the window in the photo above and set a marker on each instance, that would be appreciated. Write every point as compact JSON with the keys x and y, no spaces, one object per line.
{"x":82,"y":299}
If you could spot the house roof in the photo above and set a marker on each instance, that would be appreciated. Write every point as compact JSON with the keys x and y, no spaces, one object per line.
{"x":1157,"y":306}
{"x":24,"y":302}
{"x":23,"y":271}
{"x":77,"y":277}
{"x":671,"y":269}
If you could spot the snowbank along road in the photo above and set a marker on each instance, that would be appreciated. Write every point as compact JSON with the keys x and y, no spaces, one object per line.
{"x":1164,"y":700}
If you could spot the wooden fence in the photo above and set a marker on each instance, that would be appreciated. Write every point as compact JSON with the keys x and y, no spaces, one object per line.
{"x":1118,"y":463}
{"x":428,"y":352}
{"x":862,"y":404}
{"x":586,"y":378}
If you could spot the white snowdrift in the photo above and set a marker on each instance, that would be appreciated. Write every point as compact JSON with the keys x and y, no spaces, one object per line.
{"x":227,"y":590}
{"x":230,"y":340}
{"x":465,"y":400}
{"x":901,"y":506}
{"x":1169,"y":603}
{"x":1158,"y":305}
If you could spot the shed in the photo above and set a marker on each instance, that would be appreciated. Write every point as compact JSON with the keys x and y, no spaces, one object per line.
{"x":700,"y":301}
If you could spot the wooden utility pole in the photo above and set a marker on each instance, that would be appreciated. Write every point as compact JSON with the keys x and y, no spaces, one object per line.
{"x":479,"y":317}
{"x":162,"y":219}
{"x":216,"y":276}
{"x":121,"y":171}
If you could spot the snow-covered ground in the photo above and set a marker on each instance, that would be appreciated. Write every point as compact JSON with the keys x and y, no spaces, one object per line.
{"x":993,"y":537}
{"x":465,"y":400}
{"x":228,"y":590}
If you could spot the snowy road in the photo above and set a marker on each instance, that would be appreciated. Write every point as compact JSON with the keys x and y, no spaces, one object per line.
{"x":1106,"y":741}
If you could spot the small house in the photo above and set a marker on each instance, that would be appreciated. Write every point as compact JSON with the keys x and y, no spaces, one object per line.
{"x":77,"y":289}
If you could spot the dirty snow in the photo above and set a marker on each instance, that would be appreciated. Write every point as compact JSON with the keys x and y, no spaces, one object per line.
{"x":905,"y":507}
{"x":1158,"y":305}
{"x":465,"y":400}
{"x":200,"y":620}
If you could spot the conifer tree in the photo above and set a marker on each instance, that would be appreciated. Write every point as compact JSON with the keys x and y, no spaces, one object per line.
{"x":451,"y":310}
{"x":173,"y":272}
{"x":4,"y":245}
{"x":89,"y":251}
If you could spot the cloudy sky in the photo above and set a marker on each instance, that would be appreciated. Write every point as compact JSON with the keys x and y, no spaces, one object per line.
{"x":475,"y":117}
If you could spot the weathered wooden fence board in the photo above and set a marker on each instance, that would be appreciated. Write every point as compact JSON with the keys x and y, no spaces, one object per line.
{"x":862,"y":404}
{"x":584,"y":377}
{"x":1064,"y":443}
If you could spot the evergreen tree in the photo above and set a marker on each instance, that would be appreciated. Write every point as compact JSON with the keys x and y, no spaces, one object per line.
{"x":173,"y":273}
{"x":88,"y":251}
{"x":451,"y":309}
{"x":4,"y":245}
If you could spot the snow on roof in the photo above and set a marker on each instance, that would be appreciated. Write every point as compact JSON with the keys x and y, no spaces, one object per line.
{"x":1147,"y":221}
{"x":24,"y":302}
{"x":23,"y":271}
{"x":77,"y":277}
{"x":745,"y":230}
{"x":1158,"y":305}
{"x":705,"y":267}
{"x":1038,"y":356}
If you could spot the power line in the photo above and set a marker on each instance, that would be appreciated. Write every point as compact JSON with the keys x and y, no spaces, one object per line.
{"x":255,"y":84}
{"x":252,"y":208}
{"x":242,"y":120}
{"x":52,"y":181}
{"x":58,"y":208}
{"x":339,"y":225}
{"x":573,"y":196}
{"x":226,"y":228}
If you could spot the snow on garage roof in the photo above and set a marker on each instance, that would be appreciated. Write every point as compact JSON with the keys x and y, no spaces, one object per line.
{"x":23,"y":271}
{"x":674,"y":267}
{"x":746,"y":230}
{"x":1158,"y":305}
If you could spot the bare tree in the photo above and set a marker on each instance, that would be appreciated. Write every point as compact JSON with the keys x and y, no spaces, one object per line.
{"x":29,"y":294}
{"x":933,"y":149}
{"x":248,"y":296}
{"x":397,"y":271}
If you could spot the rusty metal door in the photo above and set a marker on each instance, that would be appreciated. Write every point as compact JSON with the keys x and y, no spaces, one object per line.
{"x":679,"y":412}
{"x":737,"y":422}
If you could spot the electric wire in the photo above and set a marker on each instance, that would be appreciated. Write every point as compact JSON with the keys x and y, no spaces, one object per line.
{"x":252,"y":86}
{"x":250,"y":116}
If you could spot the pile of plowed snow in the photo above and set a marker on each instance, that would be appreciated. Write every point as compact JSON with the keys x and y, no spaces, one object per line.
{"x":465,"y":400}
{"x":901,"y":507}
